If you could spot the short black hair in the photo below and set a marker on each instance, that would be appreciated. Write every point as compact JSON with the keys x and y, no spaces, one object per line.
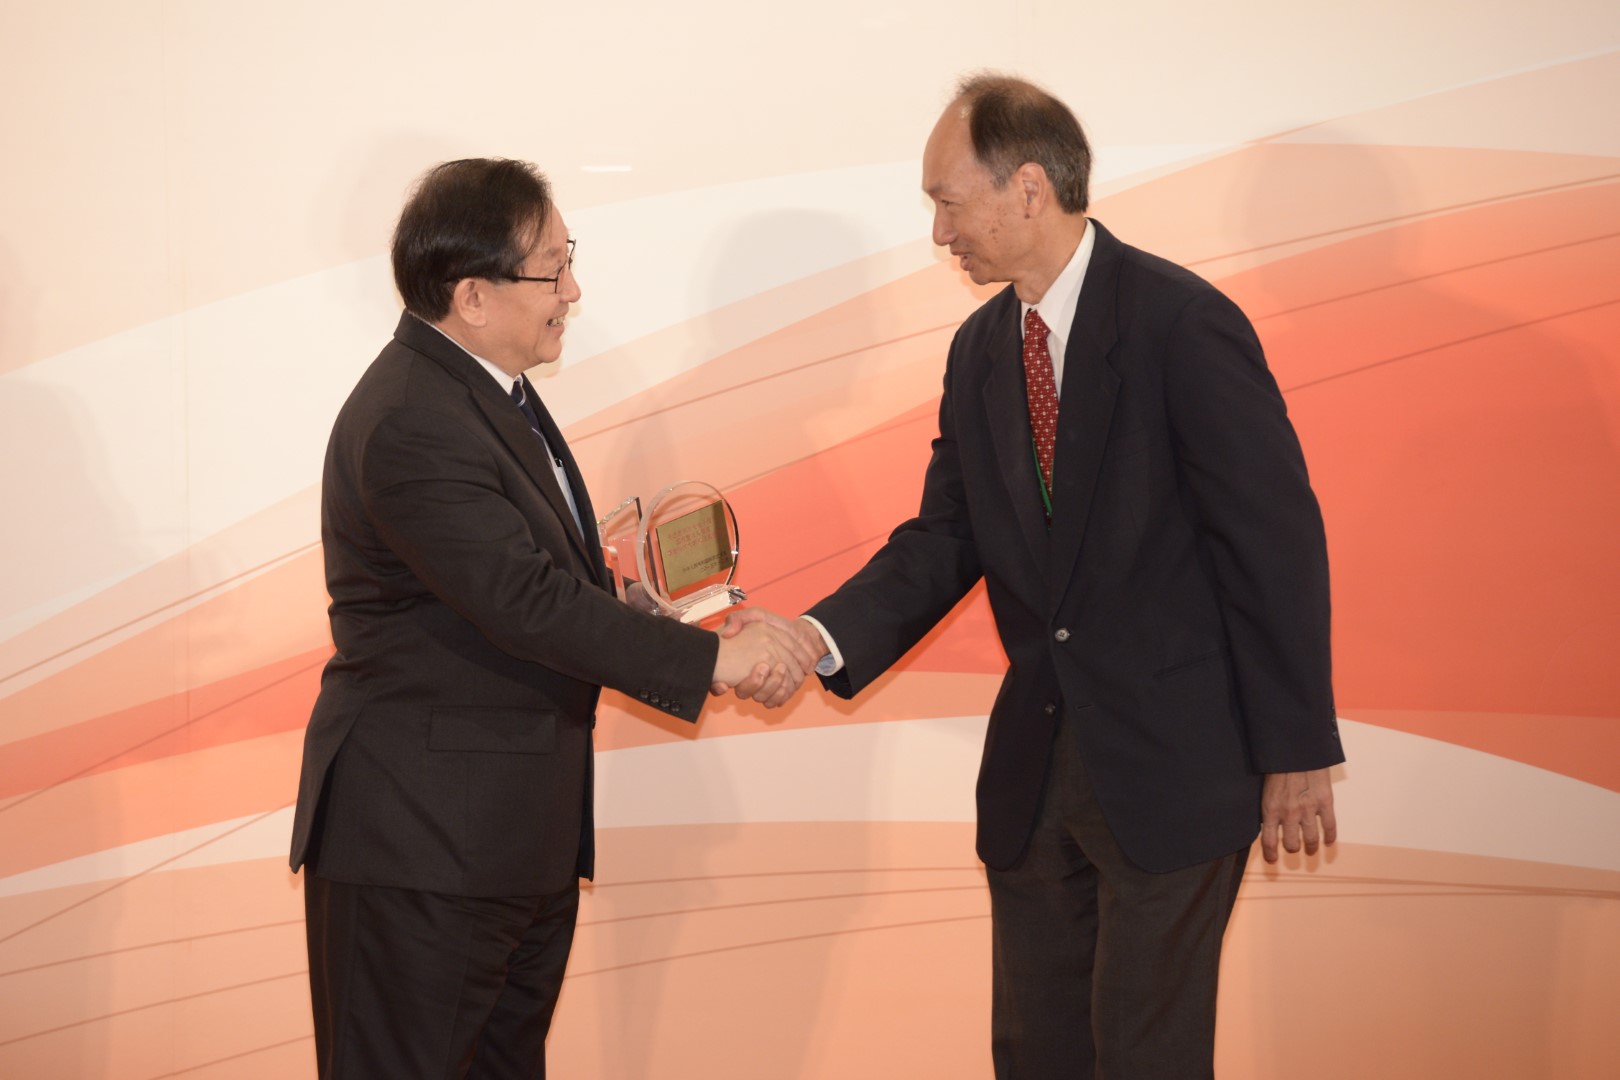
{"x":476,"y":217}
{"x":1012,"y":121}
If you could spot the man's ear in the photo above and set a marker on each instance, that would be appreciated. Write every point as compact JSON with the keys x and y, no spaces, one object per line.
{"x":468,"y":301}
{"x":1034,"y":186}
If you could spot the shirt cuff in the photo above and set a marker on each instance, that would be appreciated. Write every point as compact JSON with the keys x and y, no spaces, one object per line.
{"x":833,"y":662}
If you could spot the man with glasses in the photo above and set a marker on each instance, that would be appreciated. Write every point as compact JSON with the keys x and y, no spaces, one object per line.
{"x":444,"y":809}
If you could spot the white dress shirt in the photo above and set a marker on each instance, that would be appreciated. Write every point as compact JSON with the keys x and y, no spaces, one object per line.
{"x":1057,"y":306}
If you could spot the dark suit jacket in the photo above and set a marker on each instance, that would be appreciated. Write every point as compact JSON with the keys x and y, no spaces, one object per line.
{"x":1178,"y":606}
{"x":450,"y":746}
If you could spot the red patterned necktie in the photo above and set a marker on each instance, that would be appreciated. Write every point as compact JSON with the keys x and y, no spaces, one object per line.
{"x":1043,"y":398}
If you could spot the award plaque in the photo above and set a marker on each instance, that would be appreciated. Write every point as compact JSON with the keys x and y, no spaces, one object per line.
{"x":679,"y":556}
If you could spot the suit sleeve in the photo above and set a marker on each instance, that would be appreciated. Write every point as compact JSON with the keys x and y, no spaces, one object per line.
{"x":434,"y":494}
{"x":926,"y":566}
{"x":1242,"y":467}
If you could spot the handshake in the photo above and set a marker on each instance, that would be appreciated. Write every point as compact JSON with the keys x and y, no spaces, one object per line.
{"x":764,"y":657}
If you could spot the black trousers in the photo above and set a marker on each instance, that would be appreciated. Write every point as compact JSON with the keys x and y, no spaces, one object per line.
{"x":409,"y":985}
{"x":1102,"y":970}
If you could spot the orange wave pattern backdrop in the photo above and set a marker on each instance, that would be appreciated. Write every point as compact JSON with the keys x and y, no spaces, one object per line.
{"x":1445,"y":324}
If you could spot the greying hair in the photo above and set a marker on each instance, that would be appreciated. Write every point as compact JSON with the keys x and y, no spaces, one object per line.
{"x":1012,"y":121}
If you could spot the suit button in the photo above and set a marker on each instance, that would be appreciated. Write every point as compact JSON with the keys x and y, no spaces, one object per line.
{"x":1051,"y":710}
{"x":643,"y":695}
{"x":1062,"y":634}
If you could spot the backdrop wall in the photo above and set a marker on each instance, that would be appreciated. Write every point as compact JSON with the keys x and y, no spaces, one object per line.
{"x":1418,"y":205}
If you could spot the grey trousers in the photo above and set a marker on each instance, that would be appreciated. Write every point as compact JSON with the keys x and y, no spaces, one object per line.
{"x":1102,"y":970}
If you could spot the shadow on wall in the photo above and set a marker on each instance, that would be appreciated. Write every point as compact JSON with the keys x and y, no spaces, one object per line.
{"x":1447,"y":389}
{"x":1453,"y":381}
{"x":17,"y":296}
{"x":745,"y":255}
{"x":67,"y":521}
{"x":753,"y":410}
{"x":61,"y":509}
{"x":355,"y":211}
{"x":60,"y":506}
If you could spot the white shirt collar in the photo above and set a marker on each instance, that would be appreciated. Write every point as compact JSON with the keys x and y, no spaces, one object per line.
{"x":495,"y":373}
{"x":505,"y":382}
{"x":1057,"y":306}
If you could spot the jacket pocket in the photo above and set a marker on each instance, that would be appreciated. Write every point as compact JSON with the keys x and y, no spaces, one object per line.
{"x":493,"y":731}
{"x":1191,"y":662}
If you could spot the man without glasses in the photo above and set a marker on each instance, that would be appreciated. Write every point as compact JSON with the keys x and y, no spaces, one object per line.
{"x":1115,"y":461}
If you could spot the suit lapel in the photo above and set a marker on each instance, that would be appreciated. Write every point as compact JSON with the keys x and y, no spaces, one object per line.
{"x":1006,"y":405}
{"x":1085,"y":409}
{"x":576,"y":482}
{"x":512,"y":427}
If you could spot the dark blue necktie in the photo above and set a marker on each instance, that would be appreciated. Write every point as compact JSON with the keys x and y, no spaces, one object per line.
{"x":521,"y":400}
{"x":553,"y":445}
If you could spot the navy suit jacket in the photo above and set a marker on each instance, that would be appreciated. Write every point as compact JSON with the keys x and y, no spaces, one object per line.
{"x":1176,"y":609}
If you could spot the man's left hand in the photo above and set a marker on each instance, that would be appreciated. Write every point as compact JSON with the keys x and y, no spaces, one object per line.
{"x":1290,"y":804}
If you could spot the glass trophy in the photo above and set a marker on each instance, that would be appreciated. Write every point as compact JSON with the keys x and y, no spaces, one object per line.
{"x":619,"y":531}
{"x":678,"y":557}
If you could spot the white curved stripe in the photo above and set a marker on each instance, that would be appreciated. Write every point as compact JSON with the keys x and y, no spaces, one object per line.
{"x":654,"y":262}
{"x":1489,"y":112}
{"x":649,"y":263}
{"x":909,"y":770}
{"x":1400,"y":790}
{"x":166,"y":434}
{"x":214,"y":843}
{"x":169,"y":433}
{"x":1405,"y":790}
{"x":212,"y":568}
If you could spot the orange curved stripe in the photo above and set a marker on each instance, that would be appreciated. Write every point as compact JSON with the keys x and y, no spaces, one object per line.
{"x":1426,"y":249}
{"x":1484,"y":459}
{"x":1471,"y":497}
{"x":150,"y":799}
{"x":1268,"y":200}
{"x":269,"y":617}
{"x":274,"y":698}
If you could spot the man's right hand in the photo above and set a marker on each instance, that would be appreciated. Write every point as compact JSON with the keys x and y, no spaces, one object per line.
{"x":794,"y":647}
{"x":761,"y":662}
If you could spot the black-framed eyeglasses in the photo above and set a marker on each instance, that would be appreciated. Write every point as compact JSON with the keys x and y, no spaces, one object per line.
{"x":555,"y":282}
